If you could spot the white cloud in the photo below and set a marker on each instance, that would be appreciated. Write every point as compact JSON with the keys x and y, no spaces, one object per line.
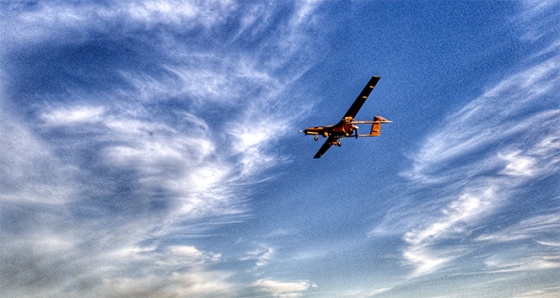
{"x":538,"y":19}
{"x":541,"y":293}
{"x":424,"y":259}
{"x":178,"y":284}
{"x":304,"y":11}
{"x":518,"y":165}
{"x":30,"y":171}
{"x":376,"y":292}
{"x":211,"y":79}
{"x":43,"y":20}
{"x":165,"y":153}
{"x":468,"y":209}
{"x":186,"y":254}
{"x":262,"y":255}
{"x":450,"y":223}
{"x":523,"y":264}
{"x":176,"y":270}
{"x":162,"y":157}
{"x":501,"y":109}
{"x":474,"y":163}
{"x":547,"y":243}
{"x":162,"y":11}
{"x":534,"y":227}
{"x":73,"y":115}
{"x":285,"y":289}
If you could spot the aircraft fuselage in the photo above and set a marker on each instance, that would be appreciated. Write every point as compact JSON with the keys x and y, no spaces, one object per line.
{"x":343,"y":128}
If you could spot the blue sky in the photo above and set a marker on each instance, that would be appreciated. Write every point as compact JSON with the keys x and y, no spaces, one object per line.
{"x":151,"y":148}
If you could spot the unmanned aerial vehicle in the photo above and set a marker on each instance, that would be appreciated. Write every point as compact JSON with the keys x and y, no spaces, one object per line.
{"x":347,"y":126}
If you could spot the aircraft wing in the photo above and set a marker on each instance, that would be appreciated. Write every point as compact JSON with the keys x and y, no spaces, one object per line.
{"x":362,"y":97}
{"x":325,"y":147}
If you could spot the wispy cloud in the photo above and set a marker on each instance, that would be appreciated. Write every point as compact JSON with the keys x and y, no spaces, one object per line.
{"x":541,"y":293}
{"x":452,"y":223}
{"x":284,"y":289}
{"x":261,"y":255}
{"x":130,"y":134}
{"x":31,"y":171}
{"x":73,"y":115}
{"x":471,"y":167}
{"x":542,"y":29}
{"x":489,"y":181}
{"x":536,"y":245}
{"x":523,"y":264}
{"x":377,"y":292}
{"x":529,"y":228}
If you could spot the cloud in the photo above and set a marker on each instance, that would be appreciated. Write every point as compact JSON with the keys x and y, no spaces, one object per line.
{"x":127,"y":135}
{"x":474,"y":165}
{"x":502,"y":172}
{"x":523,"y":264}
{"x":35,"y":22}
{"x":191,"y":252}
{"x":541,"y":293}
{"x":535,"y":245}
{"x":498,"y":175}
{"x":502,"y":108}
{"x":180,"y":13}
{"x":284,"y":289}
{"x":178,"y":270}
{"x":118,"y":269}
{"x":538,"y":18}
{"x":518,"y":165}
{"x":73,"y":115}
{"x":30,"y":170}
{"x":376,"y":292}
{"x":451,"y":223}
{"x":262,"y":256}
{"x":529,"y":228}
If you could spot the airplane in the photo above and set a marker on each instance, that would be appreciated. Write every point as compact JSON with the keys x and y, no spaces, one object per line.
{"x":347,"y":127}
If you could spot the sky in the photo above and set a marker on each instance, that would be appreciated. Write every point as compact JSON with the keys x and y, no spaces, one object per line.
{"x":152,"y":149}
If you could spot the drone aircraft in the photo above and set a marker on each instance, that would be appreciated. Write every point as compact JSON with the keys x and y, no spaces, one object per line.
{"x":347,"y":126}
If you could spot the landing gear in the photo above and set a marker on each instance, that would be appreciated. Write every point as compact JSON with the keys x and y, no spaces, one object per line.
{"x":316,"y":137}
{"x":337,"y":143}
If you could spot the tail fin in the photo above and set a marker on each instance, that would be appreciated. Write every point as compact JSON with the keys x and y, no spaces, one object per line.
{"x":376,"y":126}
